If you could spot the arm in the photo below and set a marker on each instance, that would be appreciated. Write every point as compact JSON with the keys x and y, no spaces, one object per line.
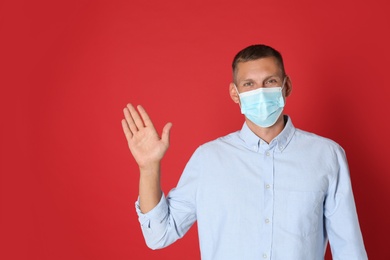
{"x":341,"y":218}
{"x":148,"y":150}
{"x":163,"y":220}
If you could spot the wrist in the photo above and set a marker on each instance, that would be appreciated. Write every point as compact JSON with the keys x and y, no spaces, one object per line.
{"x":150,"y":169}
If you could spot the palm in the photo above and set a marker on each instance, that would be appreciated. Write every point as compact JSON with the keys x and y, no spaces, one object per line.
{"x":144,"y":142}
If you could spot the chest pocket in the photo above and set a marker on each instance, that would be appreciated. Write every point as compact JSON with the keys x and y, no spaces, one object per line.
{"x":298,"y":212}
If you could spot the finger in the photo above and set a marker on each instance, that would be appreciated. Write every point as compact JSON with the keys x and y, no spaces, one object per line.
{"x":129,"y":120}
{"x":145,"y":116}
{"x":166,"y":133}
{"x":135,"y":116}
{"x":126,"y":130}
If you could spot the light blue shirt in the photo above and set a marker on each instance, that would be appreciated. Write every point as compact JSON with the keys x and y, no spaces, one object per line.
{"x":253,"y":200}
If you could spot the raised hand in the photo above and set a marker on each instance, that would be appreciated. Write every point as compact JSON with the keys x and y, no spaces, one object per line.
{"x":146,"y":146}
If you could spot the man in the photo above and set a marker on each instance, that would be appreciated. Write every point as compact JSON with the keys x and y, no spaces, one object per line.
{"x":268,"y":191}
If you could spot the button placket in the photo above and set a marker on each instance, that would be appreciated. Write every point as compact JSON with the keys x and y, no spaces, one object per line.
{"x":268,"y":177}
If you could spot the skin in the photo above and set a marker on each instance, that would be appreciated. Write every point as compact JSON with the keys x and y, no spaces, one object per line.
{"x":148,"y":147}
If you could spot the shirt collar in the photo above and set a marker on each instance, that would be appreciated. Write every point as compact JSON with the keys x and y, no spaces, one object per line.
{"x":281,"y":141}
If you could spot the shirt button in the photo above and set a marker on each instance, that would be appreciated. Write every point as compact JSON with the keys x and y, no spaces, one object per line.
{"x":281,"y":147}
{"x":267,"y":153}
{"x":267,"y":220}
{"x":264,"y":255}
{"x":267,"y":186}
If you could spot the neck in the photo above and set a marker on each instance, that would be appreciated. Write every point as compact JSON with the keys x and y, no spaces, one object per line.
{"x":267,"y":133}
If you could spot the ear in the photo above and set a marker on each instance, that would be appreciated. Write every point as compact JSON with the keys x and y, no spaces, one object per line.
{"x":233,"y":93}
{"x":288,"y":86}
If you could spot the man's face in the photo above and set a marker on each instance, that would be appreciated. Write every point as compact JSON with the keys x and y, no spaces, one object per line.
{"x":260,"y":73}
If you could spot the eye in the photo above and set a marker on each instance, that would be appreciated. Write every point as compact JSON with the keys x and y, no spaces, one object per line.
{"x":271,"y":82}
{"x":248,"y":84}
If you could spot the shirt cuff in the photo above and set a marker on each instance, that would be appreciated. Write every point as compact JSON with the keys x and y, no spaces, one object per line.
{"x":158,"y":213}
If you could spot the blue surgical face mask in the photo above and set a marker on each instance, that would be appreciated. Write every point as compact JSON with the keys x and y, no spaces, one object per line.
{"x":262,"y":106}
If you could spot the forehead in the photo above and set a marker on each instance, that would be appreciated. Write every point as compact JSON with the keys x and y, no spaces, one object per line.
{"x":262,"y":67}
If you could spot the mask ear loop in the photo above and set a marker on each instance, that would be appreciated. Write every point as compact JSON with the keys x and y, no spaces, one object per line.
{"x":238,"y":94}
{"x":284,"y":83}
{"x":281,"y":99}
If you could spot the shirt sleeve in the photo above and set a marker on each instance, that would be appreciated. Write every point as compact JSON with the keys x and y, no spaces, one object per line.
{"x":174,"y":215}
{"x":341,"y":220}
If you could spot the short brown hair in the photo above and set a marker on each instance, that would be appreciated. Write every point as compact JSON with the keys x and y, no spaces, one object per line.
{"x":258,"y":51}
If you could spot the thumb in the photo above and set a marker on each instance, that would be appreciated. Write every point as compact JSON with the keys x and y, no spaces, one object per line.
{"x":165,"y":133}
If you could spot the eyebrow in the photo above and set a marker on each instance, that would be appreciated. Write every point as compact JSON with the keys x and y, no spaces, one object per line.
{"x":272,"y":76}
{"x":264,"y":80}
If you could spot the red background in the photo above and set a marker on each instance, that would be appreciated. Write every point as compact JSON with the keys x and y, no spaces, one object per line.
{"x":68,"y":181}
